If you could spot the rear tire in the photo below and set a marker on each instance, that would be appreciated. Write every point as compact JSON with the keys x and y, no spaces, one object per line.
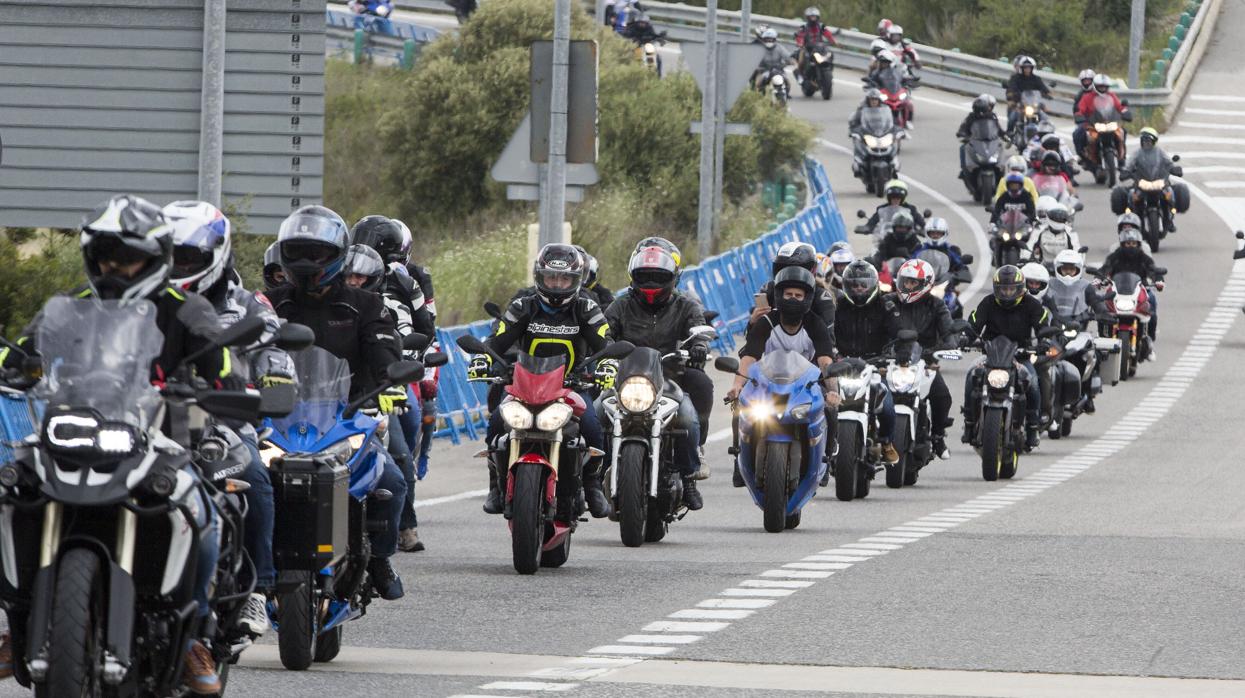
{"x":776,"y":486}
{"x":845,"y":461}
{"x":329,"y":645}
{"x":986,"y":186}
{"x":75,"y":641}
{"x":897,"y":473}
{"x":993,"y":439}
{"x":527,"y":522}
{"x":632,"y":496}
{"x":297,"y":614}
{"x":1065,"y":427}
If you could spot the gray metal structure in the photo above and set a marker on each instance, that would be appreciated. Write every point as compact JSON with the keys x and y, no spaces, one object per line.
{"x":97,"y":99}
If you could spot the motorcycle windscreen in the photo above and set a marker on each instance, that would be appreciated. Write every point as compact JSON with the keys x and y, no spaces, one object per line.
{"x":1104,"y":109}
{"x":890,"y":80}
{"x":538,"y":379}
{"x":939,"y":261}
{"x":642,"y":361}
{"x":323,"y":390}
{"x":1050,"y":185}
{"x":97,"y":355}
{"x":1031,"y":98}
{"x":1000,"y":352}
{"x":984,"y":130}
{"x":785,"y":367}
{"x":1013,"y":220}
{"x":1126,"y":283}
{"x":877,"y":121}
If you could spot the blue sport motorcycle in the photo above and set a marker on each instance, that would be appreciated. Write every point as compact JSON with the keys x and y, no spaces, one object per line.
{"x":781,"y":434}
{"x":324,"y":461}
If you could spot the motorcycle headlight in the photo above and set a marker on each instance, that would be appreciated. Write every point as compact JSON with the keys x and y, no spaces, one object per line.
{"x":114,"y":440}
{"x":872,"y":141}
{"x":1151,"y":185}
{"x":903,"y":94}
{"x":1029,"y":110}
{"x":1125,"y":305}
{"x":820,"y":58}
{"x":1070,"y":333}
{"x":994,"y":159}
{"x":760,"y":411}
{"x":1022,"y":234}
{"x":554,"y":417}
{"x":1006,"y":236}
{"x":800,"y":411}
{"x":777,"y":80}
{"x":516,"y":416}
{"x":1109,"y":127}
{"x":850,"y":387}
{"x":886,"y":141}
{"x":998,"y":378}
{"x":637,"y":394}
{"x":901,"y":378}
{"x":356,"y":441}
{"x":82,"y":432}
{"x":650,"y":49}
{"x":268,"y":452}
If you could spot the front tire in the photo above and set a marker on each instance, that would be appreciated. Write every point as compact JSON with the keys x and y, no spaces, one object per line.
{"x":527,"y":522}
{"x":297,"y":614}
{"x":775,"y":511}
{"x":845,"y":462}
{"x":1126,"y":354}
{"x":1154,"y":223}
{"x":897,"y":473}
{"x":986,"y":186}
{"x":75,"y":641}
{"x":632,"y":496}
{"x":826,"y":77}
{"x":1108,"y":164}
{"x":993,"y":440}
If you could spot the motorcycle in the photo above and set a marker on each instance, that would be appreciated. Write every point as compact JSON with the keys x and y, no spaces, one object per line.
{"x":876,"y":149}
{"x":1128,"y":301}
{"x":910,"y":375}
{"x":818,"y":70}
{"x":984,"y":147}
{"x":543,"y":453}
{"x":1074,"y":380}
{"x":374,"y":8}
{"x":102,"y":602}
{"x":885,"y":213}
{"x":896,"y":92}
{"x":325,"y":465}
{"x":782,"y":434}
{"x":780,"y":91}
{"x":1105,"y":147}
{"x":1032,"y":113}
{"x":1056,"y":187}
{"x":1153,"y":200}
{"x":858,"y":458}
{"x":644,"y":481}
{"x":1009,"y":238}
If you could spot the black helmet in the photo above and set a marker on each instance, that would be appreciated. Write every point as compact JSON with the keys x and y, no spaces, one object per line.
{"x":903,"y":219}
{"x":654,"y":274}
{"x":794,"y":277}
{"x":272,"y":267}
{"x":896,"y":187}
{"x":559,"y":274}
{"x":983,"y":104}
{"x":313,"y":242}
{"x":795,"y":254}
{"x":860,"y":282}
{"x":364,"y":261}
{"x":382,"y":234}
{"x":664,"y":244}
{"x":1052,"y":158}
{"x":1051,"y":141}
{"x":1009,"y":285}
{"x":126,"y":230}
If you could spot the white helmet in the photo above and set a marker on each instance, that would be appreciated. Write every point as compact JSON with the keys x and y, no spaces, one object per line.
{"x":1044,"y":204}
{"x":1057,"y":217}
{"x":1017,"y":163}
{"x":888,"y":56}
{"x":1069,"y":258}
{"x":937,"y":224}
{"x":1087,"y":74}
{"x":877,"y":46}
{"x":769,"y":35}
{"x":1037,"y":279}
{"x":201,"y":244}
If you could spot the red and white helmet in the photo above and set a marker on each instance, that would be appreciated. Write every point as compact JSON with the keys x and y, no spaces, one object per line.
{"x":914,"y":280}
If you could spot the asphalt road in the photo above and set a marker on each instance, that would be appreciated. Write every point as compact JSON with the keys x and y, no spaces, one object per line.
{"x":1112,"y":565}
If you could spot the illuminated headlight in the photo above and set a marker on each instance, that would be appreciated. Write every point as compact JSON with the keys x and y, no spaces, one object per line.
{"x":78,"y":431}
{"x":554,"y":417}
{"x":268,"y":452}
{"x":1151,"y":185}
{"x":884,"y":141}
{"x":1029,"y":110}
{"x":777,"y":80}
{"x":1021,"y":235}
{"x":998,"y":378}
{"x":851,"y":387}
{"x":516,"y":416}
{"x":994,"y":159}
{"x":114,"y":441}
{"x":637,"y":394}
{"x":761,"y":411}
{"x":1006,"y":236}
{"x":819,"y":57}
{"x":873,"y":141}
{"x":1109,"y":127}
{"x":901,"y":378}
{"x":903,"y":94}
{"x":1070,"y":333}
{"x":356,"y":441}
{"x":1125,"y":305}
{"x":650,"y":49}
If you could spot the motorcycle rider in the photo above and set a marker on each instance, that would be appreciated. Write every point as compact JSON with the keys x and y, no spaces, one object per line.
{"x":1024,"y":79}
{"x":929,"y":317}
{"x":352,"y":324}
{"x":1073,"y":298}
{"x":840,"y":256}
{"x":655,"y":314}
{"x":127,"y":250}
{"x":1053,"y":234}
{"x":896,"y":193}
{"x":1020,"y":166}
{"x":902,"y":48}
{"x":1014,"y":197}
{"x":1150,"y":162}
{"x":983,"y":110}
{"x":1079,"y":135}
{"x":1011,"y":312}
{"x":804,"y":256}
{"x":203,"y":264}
{"x":274,"y":276}
{"x":900,"y":241}
{"x":775,"y":59}
{"x":556,"y":319}
{"x":1132,"y":255}
{"x":813,"y":32}
{"x":1084,"y":113}
{"x":592,"y":283}
{"x":873,"y":100}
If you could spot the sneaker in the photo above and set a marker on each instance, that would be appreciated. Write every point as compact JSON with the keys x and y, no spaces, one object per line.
{"x":6,"y":656}
{"x":598,"y":503}
{"x":889,"y":454}
{"x":200,"y":671}
{"x":385,"y":579}
{"x":409,"y":542}
{"x":737,"y":479}
{"x":254,"y":616}
{"x":939,"y":445}
{"x":703,"y":473}
{"x":691,"y":496}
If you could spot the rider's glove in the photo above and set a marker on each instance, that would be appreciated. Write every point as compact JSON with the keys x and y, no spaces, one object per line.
{"x":479,"y":367}
{"x":393,"y":400}
{"x":607,"y":371}
{"x":271,"y":381}
{"x":696,"y":356}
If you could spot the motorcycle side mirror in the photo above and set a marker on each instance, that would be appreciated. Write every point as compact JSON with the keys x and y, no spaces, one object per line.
{"x":473,"y":345}
{"x":493,"y":310}
{"x":1078,"y":207}
{"x":711,"y":315}
{"x":435,"y":359}
{"x":927,"y":213}
{"x":1160,"y":271}
{"x":961,"y":326}
{"x":231,"y":404}
{"x":726,"y":364}
{"x":988,"y":209}
{"x":1240,"y":235}
{"x":1124,"y":102}
{"x":1047,"y":332}
{"x":700,"y":332}
{"x":416,"y":341}
{"x":243,"y":332}
{"x":294,"y":337}
{"x":1003,"y":84}
{"x":401,"y":372}
{"x":1175,"y":158}
{"x":1083,"y":249}
{"x":860,"y":213}
{"x":967,"y":258}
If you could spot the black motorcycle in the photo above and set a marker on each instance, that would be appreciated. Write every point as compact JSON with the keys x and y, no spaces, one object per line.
{"x":1009,"y":238}
{"x":875,"y":159}
{"x":983,"y":149}
{"x":817,"y":70}
{"x":1156,"y":199}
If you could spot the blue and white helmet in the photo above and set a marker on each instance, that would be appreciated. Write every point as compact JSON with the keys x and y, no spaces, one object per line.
{"x":202,"y":248}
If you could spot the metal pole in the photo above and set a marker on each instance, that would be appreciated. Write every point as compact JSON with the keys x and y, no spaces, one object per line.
{"x":708,"y":132}
{"x":745,"y":19}
{"x":719,"y":139}
{"x":1136,"y":32}
{"x":553,"y":195}
{"x":212,"y":102}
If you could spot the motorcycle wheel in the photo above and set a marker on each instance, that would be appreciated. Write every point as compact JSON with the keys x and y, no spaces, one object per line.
{"x":1065,"y":427}
{"x":297,"y":613}
{"x":793,"y":521}
{"x":826,"y":77}
{"x":808,"y":87}
{"x":632,"y":495}
{"x":993,"y":444}
{"x":1154,"y":224}
{"x":527,"y":522}
{"x":557,"y":556}
{"x":879,"y":186}
{"x":910,"y":477}
{"x":1108,"y":164}
{"x":864,"y":480}
{"x":987,"y":185}
{"x":329,"y":645}
{"x":896,"y":473}
{"x":76,"y":638}
{"x":845,"y":461}
{"x":1126,"y":354}
{"x":1011,"y":459}
{"x":775,"y":510}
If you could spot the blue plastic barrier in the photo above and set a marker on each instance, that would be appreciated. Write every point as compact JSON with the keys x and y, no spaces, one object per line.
{"x":15,"y":424}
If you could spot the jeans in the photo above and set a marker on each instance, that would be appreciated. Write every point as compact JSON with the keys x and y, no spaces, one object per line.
{"x":698,"y":386}
{"x":886,"y":416}
{"x":385,"y":543}
{"x":260,"y":510}
{"x":1033,"y":396}
{"x":209,"y":546}
{"x":685,"y":446}
{"x":399,"y":450}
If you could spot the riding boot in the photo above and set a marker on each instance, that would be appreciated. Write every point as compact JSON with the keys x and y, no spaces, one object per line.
{"x":493,"y":503}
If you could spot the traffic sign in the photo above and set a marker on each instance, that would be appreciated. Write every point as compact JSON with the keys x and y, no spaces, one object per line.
{"x":581,"y":101}
{"x":515,"y":165}
{"x":737,"y":60}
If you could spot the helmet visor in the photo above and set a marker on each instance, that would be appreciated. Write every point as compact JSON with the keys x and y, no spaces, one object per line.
{"x":188,"y":261}
{"x":652,"y":277}
{"x":308,"y":250}
{"x":1035,"y":286}
{"x":1008,"y":291}
{"x":557,"y":281}
{"x":110,"y":248}
{"x":1068,"y":270}
{"x":313,"y":227}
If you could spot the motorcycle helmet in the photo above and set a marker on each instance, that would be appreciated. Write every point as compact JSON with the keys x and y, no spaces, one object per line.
{"x":1130,"y":238}
{"x":1037,"y":279}
{"x":1044,"y":205}
{"x":896,"y":187}
{"x":1023,"y":62}
{"x":902,"y":224}
{"x":274,"y":276}
{"x":1127,"y":220}
{"x":983,"y":104}
{"x":1009,"y":285}
{"x":381,"y":234}
{"x":794,"y":254}
{"x":664,"y":244}
{"x":937,"y":230}
{"x":1016,"y":163}
{"x":404,"y":250}
{"x":812,"y":14}
{"x":1057,"y":217}
{"x":127,"y":249}
{"x":790,"y":309}
{"x":313,"y":242}
{"x":1051,"y":159}
{"x":1087,"y":79}
{"x":840,"y":258}
{"x":1054,"y":143}
{"x":1045,"y":128}
{"x":769,"y":38}
{"x":364,"y":268}
{"x":559,"y":274}
{"x":884,"y":26}
{"x":860,"y":282}
{"x":1069,"y":267}
{"x":886,"y":56}
{"x":654,"y":275}
{"x":1102,"y":83}
{"x":1014,"y":178}
{"x":915,"y":279}
{"x":1149,"y":137}
{"x":201,"y":245}
{"x":590,"y":280}
{"x":873,"y":93}
{"x":877,"y":46}
{"x":894,"y":34}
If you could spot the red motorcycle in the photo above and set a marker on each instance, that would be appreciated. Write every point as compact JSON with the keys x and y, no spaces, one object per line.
{"x":541,"y":458}
{"x":1128,"y":300}
{"x":896,"y":92}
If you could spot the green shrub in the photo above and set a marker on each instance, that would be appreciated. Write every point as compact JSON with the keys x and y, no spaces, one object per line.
{"x":48,"y":263}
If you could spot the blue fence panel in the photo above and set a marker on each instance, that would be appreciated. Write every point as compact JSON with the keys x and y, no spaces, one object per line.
{"x":15,"y":424}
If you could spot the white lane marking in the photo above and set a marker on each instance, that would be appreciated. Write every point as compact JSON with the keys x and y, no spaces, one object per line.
{"x":709,"y":614}
{"x":1228,"y":184}
{"x":660,"y":639}
{"x":1201,"y":140}
{"x":852,"y":551}
{"x":1209,"y":155}
{"x":671,"y":626}
{"x":979,"y":233}
{"x":796,"y":574}
{"x":774,"y":584}
{"x":631,"y":649}
{"x":834,"y":558}
{"x":720,"y":435}
{"x":421,"y":503}
{"x":528,"y":686}
{"x":751,"y":593}
{"x":736,"y":603}
{"x":961,"y":107}
{"x":1214,"y":169}
{"x":1213,"y":112}
{"x":817,"y":565}
{"x":605,"y":661}
{"x":1216,"y":98}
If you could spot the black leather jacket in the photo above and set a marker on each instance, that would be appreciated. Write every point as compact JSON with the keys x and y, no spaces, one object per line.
{"x":862,"y":331}
{"x":662,"y":327}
